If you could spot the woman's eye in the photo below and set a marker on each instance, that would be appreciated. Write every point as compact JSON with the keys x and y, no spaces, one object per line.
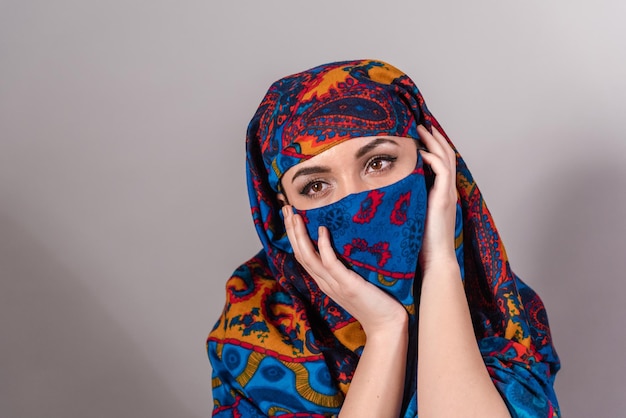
{"x":380,"y":163}
{"x":377,"y":165}
{"x":313,"y":188}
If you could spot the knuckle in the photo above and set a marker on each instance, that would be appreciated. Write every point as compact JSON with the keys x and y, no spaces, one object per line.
{"x":332,"y":265}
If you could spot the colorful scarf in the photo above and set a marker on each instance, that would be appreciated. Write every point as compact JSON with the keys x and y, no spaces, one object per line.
{"x":283,"y":348}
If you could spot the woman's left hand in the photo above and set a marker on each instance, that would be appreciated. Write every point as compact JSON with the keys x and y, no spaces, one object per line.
{"x":451,"y":373}
{"x":438,"y":245}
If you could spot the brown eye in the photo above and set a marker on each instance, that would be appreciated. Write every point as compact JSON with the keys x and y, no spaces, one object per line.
{"x":376,"y":165}
{"x":380,"y":163}
{"x":314,"y":188}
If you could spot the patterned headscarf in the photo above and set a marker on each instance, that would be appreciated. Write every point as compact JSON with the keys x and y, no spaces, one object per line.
{"x":281,"y":346}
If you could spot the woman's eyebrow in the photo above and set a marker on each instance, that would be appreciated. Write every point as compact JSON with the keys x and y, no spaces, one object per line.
{"x":316,"y":169}
{"x":372,"y":145}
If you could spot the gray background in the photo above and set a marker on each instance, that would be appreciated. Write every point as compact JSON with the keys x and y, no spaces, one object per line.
{"x":123,"y":207}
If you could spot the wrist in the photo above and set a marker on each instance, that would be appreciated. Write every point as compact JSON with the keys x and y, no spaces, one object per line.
{"x":445,"y":265}
{"x":392,"y":328}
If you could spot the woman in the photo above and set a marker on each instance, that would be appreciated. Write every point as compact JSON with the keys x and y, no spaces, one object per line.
{"x":382,"y":282}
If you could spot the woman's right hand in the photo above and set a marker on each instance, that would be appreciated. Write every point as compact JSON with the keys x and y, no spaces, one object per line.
{"x":376,"y":311}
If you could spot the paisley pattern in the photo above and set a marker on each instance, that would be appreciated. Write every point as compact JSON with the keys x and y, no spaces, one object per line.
{"x":380,"y":228}
{"x":283,"y":348}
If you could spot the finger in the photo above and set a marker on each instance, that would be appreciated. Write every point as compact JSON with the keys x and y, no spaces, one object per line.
{"x":440,"y":155}
{"x":444,"y":187}
{"x":437,"y":144}
{"x":304,"y":251}
{"x":431,"y":143}
{"x":345,"y":284}
{"x":328,"y":255}
{"x":438,"y":163}
{"x":289,"y":228}
{"x":329,"y":261}
{"x":299,"y":238}
{"x":309,"y":257}
{"x":447,"y":148}
{"x":450,"y":156}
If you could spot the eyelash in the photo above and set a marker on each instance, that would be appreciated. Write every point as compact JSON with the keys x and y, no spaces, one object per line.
{"x":383,"y":157}
{"x":307,"y":187}
{"x":304,"y":191}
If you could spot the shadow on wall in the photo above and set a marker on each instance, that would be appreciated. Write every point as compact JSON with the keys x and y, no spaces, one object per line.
{"x":581,"y":257}
{"x":62,"y":355}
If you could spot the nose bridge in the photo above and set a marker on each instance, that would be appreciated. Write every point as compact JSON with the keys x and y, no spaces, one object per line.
{"x":352,"y":182}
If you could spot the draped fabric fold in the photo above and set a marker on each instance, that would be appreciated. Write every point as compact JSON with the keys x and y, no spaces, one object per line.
{"x":283,"y":348}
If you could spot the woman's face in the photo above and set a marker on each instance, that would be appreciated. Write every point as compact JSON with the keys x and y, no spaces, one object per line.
{"x":353,"y":166}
